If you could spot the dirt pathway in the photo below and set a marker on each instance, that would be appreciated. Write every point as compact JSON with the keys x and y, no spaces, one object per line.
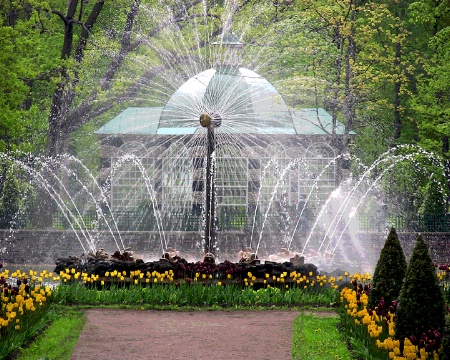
{"x":200,"y":335}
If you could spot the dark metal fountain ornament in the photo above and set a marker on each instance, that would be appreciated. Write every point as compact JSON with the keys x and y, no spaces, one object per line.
{"x":210,"y":122}
{"x":229,"y":58}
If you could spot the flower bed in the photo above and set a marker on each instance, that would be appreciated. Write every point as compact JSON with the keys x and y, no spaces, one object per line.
{"x":164,"y":290}
{"x":375,"y":328}
{"x":25,"y":299}
{"x":24,"y":303}
{"x":184,"y":271}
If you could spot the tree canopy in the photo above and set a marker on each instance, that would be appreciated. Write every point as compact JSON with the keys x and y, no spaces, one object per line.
{"x":380,"y":67}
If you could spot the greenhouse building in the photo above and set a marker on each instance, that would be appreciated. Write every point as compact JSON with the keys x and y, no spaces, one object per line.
{"x":267,"y":160}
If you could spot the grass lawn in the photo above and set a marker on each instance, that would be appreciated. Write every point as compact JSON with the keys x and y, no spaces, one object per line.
{"x":316,"y":337}
{"x":57,"y":341}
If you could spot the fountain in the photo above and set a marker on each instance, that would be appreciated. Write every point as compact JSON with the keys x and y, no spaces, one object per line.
{"x":255,"y":181}
{"x":210,"y":122}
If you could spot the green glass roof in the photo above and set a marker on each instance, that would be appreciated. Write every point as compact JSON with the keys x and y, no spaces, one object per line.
{"x":145,"y":120}
{"x":246,"y":102}
{"x":133,"y":120}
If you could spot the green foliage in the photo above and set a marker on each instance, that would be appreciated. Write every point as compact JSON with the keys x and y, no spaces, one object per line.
{"x":414,"y":181}
{"x":31,"y":326}
{"x":57,"y":341}
{"x":363,"y":346}
{"x":9,"y":201}
{"x":16,"y":198}
{"x":433,"y":201}
{"x":26,"y":73}
{"x":317,"y":337}
{"x":344,"y":56}
{"x":445,"y":355}
{"x":389,"y":271}
{"x":421,"y":302}
{"x":172,"y":295}
{"x":432,"y":99}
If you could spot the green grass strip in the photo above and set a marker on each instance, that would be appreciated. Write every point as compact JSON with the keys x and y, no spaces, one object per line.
{"x":316,"y":337}
{"x":59,"y":339}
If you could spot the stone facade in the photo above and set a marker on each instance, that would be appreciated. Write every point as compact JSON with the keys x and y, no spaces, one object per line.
{"x":46,"y":246}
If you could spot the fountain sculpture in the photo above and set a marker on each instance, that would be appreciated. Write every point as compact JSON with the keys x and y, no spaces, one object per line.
{"x":255,"y":181}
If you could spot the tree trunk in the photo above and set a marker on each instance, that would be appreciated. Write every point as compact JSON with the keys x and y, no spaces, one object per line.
{"x":446,"y":155}
{"x":349,"y":103}
{"x":339,"y":43}
{"x":61,"y":103}
{"x":63,"y":119}
{"x":397,"y":123}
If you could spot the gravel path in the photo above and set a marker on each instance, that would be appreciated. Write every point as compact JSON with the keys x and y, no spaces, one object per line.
{"x":200,"y":335}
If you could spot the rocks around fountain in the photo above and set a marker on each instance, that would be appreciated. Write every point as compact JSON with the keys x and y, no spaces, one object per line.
{"x":297,"y":259}
{"x":89,"y":261}
{"x":247,"y":256}
{"x":126,"y":255}
{"x":209,"y":258}
{"x":171,"y":255}
{"x":99,"y":263}
{"x":286,"y":255}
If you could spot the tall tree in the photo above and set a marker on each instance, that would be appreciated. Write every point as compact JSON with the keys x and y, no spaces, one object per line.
{"x":167,"y":35}
{"x":26,"y":72}
{"x":64,"y":93}
{"x":431,"y":101}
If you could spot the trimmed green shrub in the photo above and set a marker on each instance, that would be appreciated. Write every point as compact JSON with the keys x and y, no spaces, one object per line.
{"x":445,"y":355}
{"x":421,"y":305}
{"x":389,"y":273}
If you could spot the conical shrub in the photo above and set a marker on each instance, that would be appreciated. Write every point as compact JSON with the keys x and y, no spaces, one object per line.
{"x":446,"y":341}
{"x":389,"y":272}
{"x":421,"y":305}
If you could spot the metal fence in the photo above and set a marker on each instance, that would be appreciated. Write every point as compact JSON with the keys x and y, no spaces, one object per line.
{"x":418,"y":223}
{"x":140,"y":221}
{"x":226,"y":221}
